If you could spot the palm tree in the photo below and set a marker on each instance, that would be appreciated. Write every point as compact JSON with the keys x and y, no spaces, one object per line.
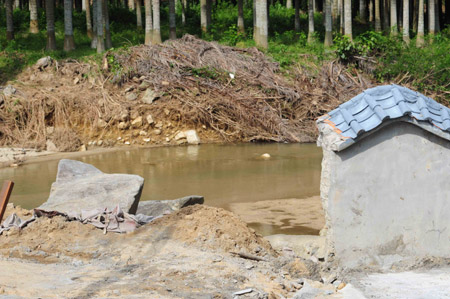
{"x":261,"y":28}
{"x":377,"y":16}
{"x":328,"y":24}
{"x":9,"y":20}
{"x":138,"y":14}
{"x":148,"y":22}
{"x":172,"y":20}
{"x":362,"y":11}
{"x":156,"y":36}
{"x":108,"y":41}
{"x":431,"y":17}
{"x":406,"y":21}
{"x":88,"y":19}
{"x":99,"y":18}
{"x":310,"y":21}
{"x":240,"y":21}
{"x":34,"y":26}
{"x":69,"y":43}
{"x":420,"y":26}
{"x":348,"y":18}
{"x":50,"y":16}
{"x":394,"y":29}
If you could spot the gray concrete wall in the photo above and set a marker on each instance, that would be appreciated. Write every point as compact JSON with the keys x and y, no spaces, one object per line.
{"x":387,"y":198}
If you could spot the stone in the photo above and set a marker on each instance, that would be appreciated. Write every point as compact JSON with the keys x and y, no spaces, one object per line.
{"x":192,"y":137}
{"x":80,"y":186}
{"x":157,"y":131}
{"x":131,"y":96}
{"x":181,"y":141}
{"x":82,"y":148}
{"x":166,"y":111}
{"x":310,"y":291}
{"x":144,"y":85}
{"x":101,"y":123}
{"x":143,"y":133}
{"x":135,"y":133}
{"x":9,"y":90}
{"x":149,"y":96}
{"x":159,"y":207}
{"x":127,"y":143}
{"x":179,"y":135}
{"x":49,"y":130}
{"x":146,"y":140}
{"x":43,"y":62}
{"x":159,"y":125}
{"x":135,"y":114}
{"x":123,"y":125}
{"x":149,"y":119}
{"x":137,"y":123}
{"x":265,"y":156}
{"x":100,"y":142}
{"x":51,"y":147}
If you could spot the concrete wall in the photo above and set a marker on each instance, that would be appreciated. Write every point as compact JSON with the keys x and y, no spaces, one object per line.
{"x":387,"y":198}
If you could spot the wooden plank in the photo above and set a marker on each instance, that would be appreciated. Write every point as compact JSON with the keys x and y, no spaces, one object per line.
{"x":4,"y":197}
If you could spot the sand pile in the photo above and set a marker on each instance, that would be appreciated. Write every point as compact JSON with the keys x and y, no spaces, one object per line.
{"x":214,"y":228}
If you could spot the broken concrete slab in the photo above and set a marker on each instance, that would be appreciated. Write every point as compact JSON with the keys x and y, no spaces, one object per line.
{"x":159,"y":207}
{"x":303,"y":246}
{"x":80,"y":186}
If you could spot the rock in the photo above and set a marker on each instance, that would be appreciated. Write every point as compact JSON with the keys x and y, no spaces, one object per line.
{"x":100,"y":142}
{"x":131,"y":96}
{"x":341,"y":285}
{"x":137,"y":123}
{"x":80,"y":186}
{"x":265,"y":156}
{"x":149,"y":119}
{"x":309,"y":291}
{"x":159,"y":125}
{"x":192,"y":137}
{"x":135,"y":133}
{"x":143,"y":133}
{"x":149,"y":96}
{"x":181,"y":141}
{"x":157,"y":131}
{"x":146,"y":139}
{"x":179,"y":135}
{"x":123,"y":125}
{"x":144,"y":86}
{"x":51,"y":147}
{"x":82,"y":148}
{"x":49,"y":130}
{"x":9,"y":90}
{"x":124,"y":115}
{"x":135,"y":114}
{"x":246,"y":291}
{"x":101,"y":123}
{"x":304,"y":245}
{"x":127,"y":143}
{"x":43,"y":63}
{"x":159,"y":207}
{"x":166,"y":111}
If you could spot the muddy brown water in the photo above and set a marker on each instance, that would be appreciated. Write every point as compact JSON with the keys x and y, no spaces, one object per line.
{"x":223,"y":174}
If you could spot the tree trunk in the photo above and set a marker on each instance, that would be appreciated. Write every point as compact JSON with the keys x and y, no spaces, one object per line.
{"x":420,"y":26}
{"x":341,"y":16}
{"x":447,"y":12}
{"x":255,"y":22}
{"x":34,"y":26}
{"x":99,"y":17}
{"x":415,"y":15}
{"x":386,"y":14}
{"x":310,"y":21}
{"x":240,"y":21}
{"x":137,"y":4}
{"x":289,"y":4}
{"x":88,"y":19}
{"x":148,"y":22}
{"x":431,"y":9}
{"x":335,"y":13}
{"x":438,"y":15}
{"x":108,"y":41}
{"x":131,"y":4}
{"x":362,"y":11}
{"x":183,"y":12}
{"x":348,"y":18}
{"x":172,"y":20}
{"x":94,"y":24}
{"x":261,"y":24}
{"x":50,"y":16}
{"x":297,"y":16}
{"x":371,"y":18}
{"x":406,"y":21}
{"x":328,"y":27}
{"x":394,"y":25}
{"x":204,"y":15}
{"x":69,"y":43}
{"x":9,"y":20}
{"x":156,"y":36}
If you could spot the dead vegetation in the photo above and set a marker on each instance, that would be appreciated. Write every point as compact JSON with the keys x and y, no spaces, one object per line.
{"x":233,"y":94}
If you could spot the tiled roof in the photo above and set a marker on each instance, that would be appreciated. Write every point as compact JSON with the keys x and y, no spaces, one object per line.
{"x":371,"y":108}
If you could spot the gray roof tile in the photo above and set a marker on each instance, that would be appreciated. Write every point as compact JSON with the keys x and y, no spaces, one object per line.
{"x":369,"y":109}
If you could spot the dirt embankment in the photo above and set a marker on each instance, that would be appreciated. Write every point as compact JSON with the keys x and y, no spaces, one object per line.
{"x":146,"y":95}
{"x":188,"y":254}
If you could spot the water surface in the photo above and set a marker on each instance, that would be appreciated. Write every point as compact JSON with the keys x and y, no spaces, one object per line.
{"x":223,"y":174}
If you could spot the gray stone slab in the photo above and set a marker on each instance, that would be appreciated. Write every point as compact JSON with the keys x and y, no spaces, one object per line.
{"x":159,"y":207}
{"x":80,"y":186}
